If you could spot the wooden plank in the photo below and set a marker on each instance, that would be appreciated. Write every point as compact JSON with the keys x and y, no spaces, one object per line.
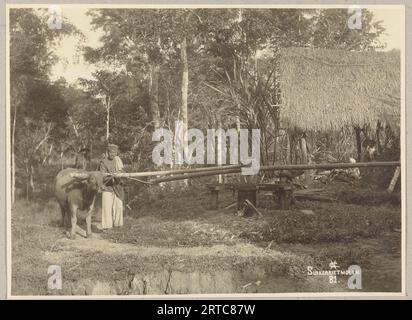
{"x":309,"y":197}
{"x":274,"y":186}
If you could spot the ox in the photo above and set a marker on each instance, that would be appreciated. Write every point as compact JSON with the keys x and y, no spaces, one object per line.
{"x":76,"y":189}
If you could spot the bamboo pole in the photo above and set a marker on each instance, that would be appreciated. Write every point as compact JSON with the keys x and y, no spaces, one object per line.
{"x":204,"y":172}
{"x":332,"y":166}
{"x":179,"y":171}
{"x":194,"y":175}
{"x":276,"y":168}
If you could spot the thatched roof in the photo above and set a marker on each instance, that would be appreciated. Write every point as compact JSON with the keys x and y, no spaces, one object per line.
{"x":327,"y":89}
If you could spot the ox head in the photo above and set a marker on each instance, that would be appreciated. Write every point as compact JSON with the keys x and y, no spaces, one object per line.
{"x":93,"y":180}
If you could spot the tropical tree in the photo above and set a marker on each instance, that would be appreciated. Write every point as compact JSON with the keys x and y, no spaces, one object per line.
{"x":230,"y":57}
{"x":34,"y":99}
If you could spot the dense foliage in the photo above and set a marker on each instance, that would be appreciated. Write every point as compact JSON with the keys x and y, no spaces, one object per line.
{"x":206,"y":67}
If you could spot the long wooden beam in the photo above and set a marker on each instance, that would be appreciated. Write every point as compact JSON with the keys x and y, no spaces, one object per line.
{"x":193,"y":175}
{"x":332,"y":166}
{"x":282,"y":167}
{"x":210,"y":171}
{"x":178,"y":171}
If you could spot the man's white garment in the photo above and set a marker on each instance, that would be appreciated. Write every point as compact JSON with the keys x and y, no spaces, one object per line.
{"x":112,"y":206}
{"x":119,"y":163}
{"x":112,"y":210}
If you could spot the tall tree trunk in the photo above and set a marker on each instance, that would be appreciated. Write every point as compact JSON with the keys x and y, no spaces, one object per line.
{"x":107,"y":123}
{"x":27,"y":181}
{"x":304,"y":159}
{"x":288,"y":149}
{"x":13,"y":162}
{"x":238,"y":127}
{"x":31,"y":180}
{"x":154,"y":99}
{"x":91,"y":150}
{"x":184,"y":89}
{"x":219,"y":150}
{"x":256,"y":68}
{"x":378,"y":137}
{"x":276,"y":139}
{"x":358,"y":142}
{"x":303,"y":148}
{"x":184,"y":92}
{"x":154,"y":95}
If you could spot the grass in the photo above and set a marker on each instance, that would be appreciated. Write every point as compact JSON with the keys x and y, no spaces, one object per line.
{"x":33,"y":232}
{"x":329,"y":223}
{"x":347,"y":232}
{"x":369,"y":197}
{"x":186,"y":218}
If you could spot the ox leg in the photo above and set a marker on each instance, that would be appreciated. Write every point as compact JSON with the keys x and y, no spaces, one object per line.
{"x":74,"y":222}
{"x":63,"y":212}
{"x":89,"y":220}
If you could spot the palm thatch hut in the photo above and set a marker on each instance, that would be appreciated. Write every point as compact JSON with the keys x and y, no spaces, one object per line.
{"x":325,"y":89}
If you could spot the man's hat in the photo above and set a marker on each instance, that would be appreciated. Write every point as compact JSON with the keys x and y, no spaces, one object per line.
{"x":112,"y":148}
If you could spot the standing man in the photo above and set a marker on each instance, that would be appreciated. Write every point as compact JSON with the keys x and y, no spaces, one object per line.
{"x":113,"y":194}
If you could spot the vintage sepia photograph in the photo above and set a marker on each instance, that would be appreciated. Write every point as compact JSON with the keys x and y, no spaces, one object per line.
{"x":212,"y":151}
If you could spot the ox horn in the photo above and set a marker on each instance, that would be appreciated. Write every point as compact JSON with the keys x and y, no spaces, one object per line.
{"x":79,"y":175}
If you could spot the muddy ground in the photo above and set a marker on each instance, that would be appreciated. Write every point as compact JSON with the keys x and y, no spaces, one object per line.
{"x":172,"y":244}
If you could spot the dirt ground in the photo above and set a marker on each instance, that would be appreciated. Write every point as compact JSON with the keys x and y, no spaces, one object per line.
{"x":172,"y":244}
